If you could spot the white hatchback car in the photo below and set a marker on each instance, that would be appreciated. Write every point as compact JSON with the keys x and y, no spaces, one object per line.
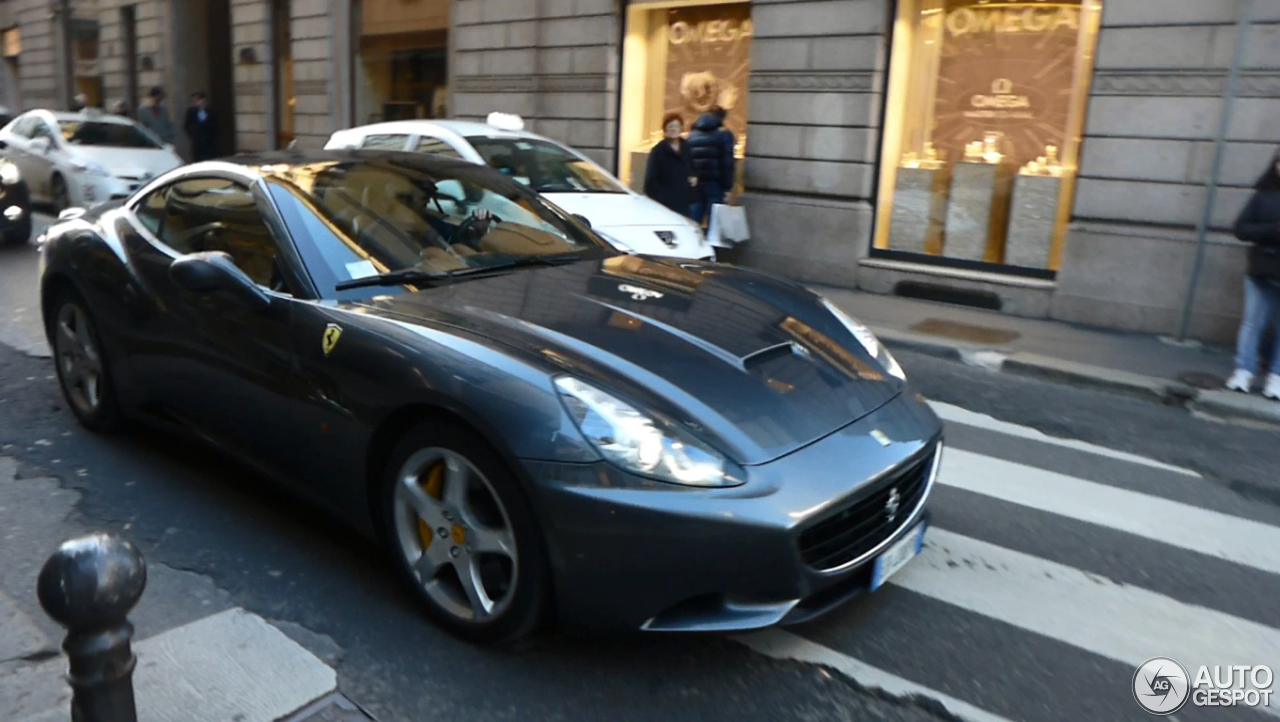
{"x":567,"y":178}
{"x":81,"y":159}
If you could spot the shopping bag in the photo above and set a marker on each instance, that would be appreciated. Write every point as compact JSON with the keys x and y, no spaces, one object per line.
{"x":728,"y":226}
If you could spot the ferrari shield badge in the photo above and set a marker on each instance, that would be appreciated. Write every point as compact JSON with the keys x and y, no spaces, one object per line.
{"x":332,"y":333}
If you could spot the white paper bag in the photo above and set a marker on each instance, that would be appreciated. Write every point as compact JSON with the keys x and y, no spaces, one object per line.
{"x":728,"y":226}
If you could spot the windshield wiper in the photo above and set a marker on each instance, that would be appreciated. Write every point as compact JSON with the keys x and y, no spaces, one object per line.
{"x":396,"y":278}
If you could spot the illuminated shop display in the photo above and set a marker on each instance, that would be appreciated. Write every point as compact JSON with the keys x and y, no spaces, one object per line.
{"x":982,"y":129}
{"x":681,"y":58}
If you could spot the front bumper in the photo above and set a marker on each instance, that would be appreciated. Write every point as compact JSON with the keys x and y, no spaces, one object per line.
{"x":646,"y":555}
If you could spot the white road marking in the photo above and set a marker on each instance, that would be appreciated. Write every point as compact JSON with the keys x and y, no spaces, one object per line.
{"x":785,"y":645}
{"x":1117,"y":621}
{"x":1242,"y":541}
{"x":958,"y":415}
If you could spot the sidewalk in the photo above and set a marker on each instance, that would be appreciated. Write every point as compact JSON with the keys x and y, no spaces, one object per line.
{"x":200,"y":659}
{"x":1150,"y":367}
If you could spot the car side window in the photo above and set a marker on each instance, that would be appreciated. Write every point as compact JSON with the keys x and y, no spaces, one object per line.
{"x":216,"y":214}
{"x":150,"y":212}
{"x":41,"y":130}
{"x":435,"y":146}
{"x":385,"y":142}
{"x":24,"y":126}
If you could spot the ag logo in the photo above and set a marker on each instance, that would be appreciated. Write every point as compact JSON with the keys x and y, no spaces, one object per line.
{"x":332,"y":333}
{"x":1161,"y":686}
{"x":638,"y":293}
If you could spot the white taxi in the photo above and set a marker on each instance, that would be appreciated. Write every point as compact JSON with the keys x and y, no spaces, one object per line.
{"x":563,"y":176}
{"x":82,"y":159}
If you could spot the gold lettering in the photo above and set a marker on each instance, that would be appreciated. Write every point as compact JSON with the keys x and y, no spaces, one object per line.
{"x":1035,"y":21}
{"x":961,"y":22}
{"x":990,"y":22}
{"x":1068,"y":17}
{"x":710,"y":31}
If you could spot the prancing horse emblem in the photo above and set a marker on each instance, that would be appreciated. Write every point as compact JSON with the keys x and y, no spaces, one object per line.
{"x":332,"y":333}
{"x":891,"y":506}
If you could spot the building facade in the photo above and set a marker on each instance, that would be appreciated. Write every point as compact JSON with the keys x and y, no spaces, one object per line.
{"x":1047,"y":158}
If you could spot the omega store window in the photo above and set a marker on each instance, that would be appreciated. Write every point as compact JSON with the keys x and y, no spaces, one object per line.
{"x":681,"y":57}
{"x":985,"y":110}
{"x":401,"y":70}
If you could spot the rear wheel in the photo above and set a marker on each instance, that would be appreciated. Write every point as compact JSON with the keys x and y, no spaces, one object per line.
{"x":463,"y":535}
{"x":81,"y":364}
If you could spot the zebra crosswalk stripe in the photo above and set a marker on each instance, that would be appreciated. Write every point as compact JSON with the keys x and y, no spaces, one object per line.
{"x":1227,"y":537}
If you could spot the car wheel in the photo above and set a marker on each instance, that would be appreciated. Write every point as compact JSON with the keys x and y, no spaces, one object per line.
{"x":82,"y":365}
{"x":464,"y":536}
{"x":58,"y":192}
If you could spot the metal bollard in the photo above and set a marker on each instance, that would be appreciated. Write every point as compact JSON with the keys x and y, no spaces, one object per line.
{"x":89,"y":586}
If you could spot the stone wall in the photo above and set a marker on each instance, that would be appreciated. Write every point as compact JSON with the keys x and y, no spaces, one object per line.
{"x":312,"y":69}
{"x":249,"y":32}
{"x":817,"y":79}
{"x":1156,"y":100}
{"x":554,"y":62}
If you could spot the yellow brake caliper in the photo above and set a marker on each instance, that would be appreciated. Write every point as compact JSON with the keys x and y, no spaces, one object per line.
{"x":434,"y":486}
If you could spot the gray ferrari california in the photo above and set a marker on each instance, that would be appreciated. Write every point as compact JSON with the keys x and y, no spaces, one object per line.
{"x":538,"y":426}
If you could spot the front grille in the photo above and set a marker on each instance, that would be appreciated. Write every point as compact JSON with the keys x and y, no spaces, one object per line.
{"x":864,"y":523}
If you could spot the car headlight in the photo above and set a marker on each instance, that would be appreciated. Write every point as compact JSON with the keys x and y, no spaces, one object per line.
{"x":9,"y":173}
{"x":868,"y":341}
{"x":640,"y":442}
{"x":90,"y":167}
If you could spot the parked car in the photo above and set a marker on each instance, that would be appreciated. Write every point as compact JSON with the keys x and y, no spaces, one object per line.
{"x":79,"y":159}
{"x":15,"y":205}
{"x":535,"y":424}
{"x":566,"y":177}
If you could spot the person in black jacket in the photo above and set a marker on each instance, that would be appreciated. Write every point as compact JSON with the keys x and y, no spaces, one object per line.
{"x":667,"y":176}
{"x":711,"y":156}
{"x":1259,"y":223}
{"x":202,"y":128}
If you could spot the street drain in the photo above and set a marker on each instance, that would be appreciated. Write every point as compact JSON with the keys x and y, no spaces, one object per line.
{"x":965,"y":331}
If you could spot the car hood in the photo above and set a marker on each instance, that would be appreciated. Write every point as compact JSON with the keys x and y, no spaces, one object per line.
{"x":139,"y":163}
{"x":753,"y":364}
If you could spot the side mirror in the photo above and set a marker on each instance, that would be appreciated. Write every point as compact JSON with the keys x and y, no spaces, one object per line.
{"x":213,"y":271}
{"x":582,"y":219}
{"x":40,"y":145}
{"x":3,"y":145}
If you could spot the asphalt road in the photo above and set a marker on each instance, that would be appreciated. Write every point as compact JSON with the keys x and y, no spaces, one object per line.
{"x":1053,"y":570}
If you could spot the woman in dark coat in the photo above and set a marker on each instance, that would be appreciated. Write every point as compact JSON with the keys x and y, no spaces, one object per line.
{"x":667,"y":175}
{"x":1259,"y":223}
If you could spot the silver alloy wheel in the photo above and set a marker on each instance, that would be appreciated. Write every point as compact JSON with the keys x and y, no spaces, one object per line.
{"x":78,"y":358}
{"x":455,"y":534}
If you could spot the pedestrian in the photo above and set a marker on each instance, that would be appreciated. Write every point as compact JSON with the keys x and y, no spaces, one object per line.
{"x":711,"y":157}
{"x":155,"y":116}
{"x":667,"y":175}
{"x":201,"y":126}
{"x":79,"y":103}
{"x":1259,"y":224}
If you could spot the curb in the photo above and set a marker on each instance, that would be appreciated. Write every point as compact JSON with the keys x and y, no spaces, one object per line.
{"x":1226,"y":405}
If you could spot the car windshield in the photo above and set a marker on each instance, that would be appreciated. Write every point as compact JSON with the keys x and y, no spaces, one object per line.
{"x":543,"y":166}
{"x":113,"y":135}
{"x":379,"y":215}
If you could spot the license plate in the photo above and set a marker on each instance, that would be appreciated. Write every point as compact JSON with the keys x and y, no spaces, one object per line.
{"x":897,"y":556}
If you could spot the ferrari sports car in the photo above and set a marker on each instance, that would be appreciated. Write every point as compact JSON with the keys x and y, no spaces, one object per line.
{"x":539,"y":427}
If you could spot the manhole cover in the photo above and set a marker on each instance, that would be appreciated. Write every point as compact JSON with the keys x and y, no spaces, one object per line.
{"x":1202,"y":380}
{"x":965,"y":331}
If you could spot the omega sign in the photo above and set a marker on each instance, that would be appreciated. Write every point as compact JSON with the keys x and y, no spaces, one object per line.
{"x":709,"y":31}
{"x":1002,"y":96}
{"x":970,"y":20}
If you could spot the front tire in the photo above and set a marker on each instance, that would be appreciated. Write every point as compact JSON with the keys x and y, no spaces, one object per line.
{"x":82,"y":364}
{"x":464,"y":536}
{"x":20,"y":235}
